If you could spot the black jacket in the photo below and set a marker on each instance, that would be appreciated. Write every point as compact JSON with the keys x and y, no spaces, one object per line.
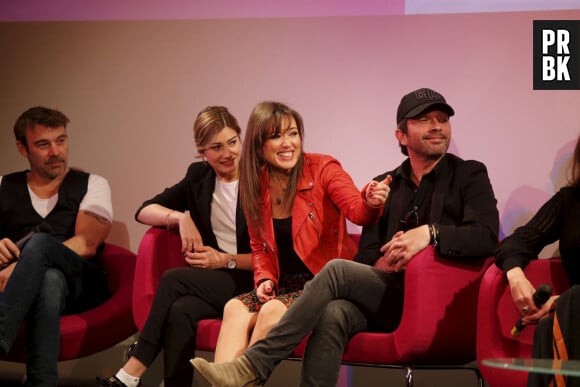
{"x":194,"y":193}
{"x":462,"y":204}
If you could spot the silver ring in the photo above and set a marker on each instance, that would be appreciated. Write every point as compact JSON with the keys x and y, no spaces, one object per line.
{"x":525,"y":309}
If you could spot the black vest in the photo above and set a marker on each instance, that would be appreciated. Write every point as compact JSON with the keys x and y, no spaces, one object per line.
{"x":18,"y":217}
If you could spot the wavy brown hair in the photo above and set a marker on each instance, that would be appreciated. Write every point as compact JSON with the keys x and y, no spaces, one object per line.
{"x":266,"y":119}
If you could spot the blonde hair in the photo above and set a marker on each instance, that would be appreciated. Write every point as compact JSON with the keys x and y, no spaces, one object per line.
{"x":209,"y":122}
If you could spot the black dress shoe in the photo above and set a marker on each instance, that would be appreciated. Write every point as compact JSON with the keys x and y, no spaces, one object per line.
{"x":112,"y":381}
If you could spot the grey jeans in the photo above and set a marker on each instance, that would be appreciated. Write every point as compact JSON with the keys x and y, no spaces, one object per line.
{"x":335,"y":304}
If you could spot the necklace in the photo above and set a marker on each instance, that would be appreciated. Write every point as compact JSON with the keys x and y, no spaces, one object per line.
{"x":278,"y":198}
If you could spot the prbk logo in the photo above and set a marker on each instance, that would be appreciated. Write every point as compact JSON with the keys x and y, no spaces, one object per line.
{"x":556,"y":54}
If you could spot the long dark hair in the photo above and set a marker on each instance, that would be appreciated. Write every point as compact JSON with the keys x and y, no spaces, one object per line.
{"x":265,"y":120}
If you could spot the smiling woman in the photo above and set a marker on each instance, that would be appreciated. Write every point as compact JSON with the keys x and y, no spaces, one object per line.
{"x":296,"y":204}
{"x":203,"y":208}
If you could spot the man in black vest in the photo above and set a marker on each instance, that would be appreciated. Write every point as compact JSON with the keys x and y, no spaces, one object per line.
{"x":53,"y":222}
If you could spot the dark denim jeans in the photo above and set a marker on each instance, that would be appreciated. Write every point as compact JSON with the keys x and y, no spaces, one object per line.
{"x":48,"y":280}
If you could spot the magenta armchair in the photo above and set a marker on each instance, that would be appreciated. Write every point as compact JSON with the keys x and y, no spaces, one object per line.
{"x":497,"y":315}
{"x":437,"y":329}
{"x":439,"y":316}
{"x":159,"y":250}
{"x":100,"y":328}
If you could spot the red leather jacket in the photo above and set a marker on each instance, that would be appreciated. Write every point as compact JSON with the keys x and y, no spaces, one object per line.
{"x":325,"y":195}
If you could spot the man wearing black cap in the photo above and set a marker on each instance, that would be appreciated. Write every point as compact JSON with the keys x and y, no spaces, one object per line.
{"x":436,"y":199}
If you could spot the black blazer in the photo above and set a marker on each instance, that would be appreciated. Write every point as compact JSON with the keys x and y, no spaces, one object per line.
{"x":462,"y":204}
{"x":194,"y":193}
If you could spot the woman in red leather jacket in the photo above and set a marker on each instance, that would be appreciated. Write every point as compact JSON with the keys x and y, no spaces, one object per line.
{"x":296,"y":204}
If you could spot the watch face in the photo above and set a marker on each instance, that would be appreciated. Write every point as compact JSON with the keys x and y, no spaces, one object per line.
{"x":232,"y":264}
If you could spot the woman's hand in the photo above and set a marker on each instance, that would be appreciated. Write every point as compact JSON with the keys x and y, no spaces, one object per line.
{"x":378,"y":192}
{"x":206,"y":257}
{"x":533,"y":318}
{"x":522,"y":291}
{"x":265,"y":291}
{"x":190,"y":237}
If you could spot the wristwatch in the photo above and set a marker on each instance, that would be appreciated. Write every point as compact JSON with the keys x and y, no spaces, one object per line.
{"x":232,"y":263}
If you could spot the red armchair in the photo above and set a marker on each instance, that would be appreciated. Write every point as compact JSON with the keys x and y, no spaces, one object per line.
{"x":159,"y":250}
{"x":102,"y":327}
{"x":437,"y":329}
{"x":439,"y":316}
{"x":497,"y":315}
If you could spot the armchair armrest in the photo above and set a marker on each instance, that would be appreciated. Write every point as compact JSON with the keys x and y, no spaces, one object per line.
{"x":107,"y":324}
{"x":159,"y":250}
{"x":497,"y":315}
{"x":440,"y":309}
{"x":99,"y":328}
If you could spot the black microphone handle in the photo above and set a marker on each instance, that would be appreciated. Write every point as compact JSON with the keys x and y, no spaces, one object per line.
{"x":20,"y":242}
{"x":42,"y":227}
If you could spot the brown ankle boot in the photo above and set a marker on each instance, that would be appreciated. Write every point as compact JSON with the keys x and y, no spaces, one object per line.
{"x":235,"y":373}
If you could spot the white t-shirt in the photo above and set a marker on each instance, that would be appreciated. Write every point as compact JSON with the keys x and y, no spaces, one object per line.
{"x":97,"y":199}
{"x":223,"y":214}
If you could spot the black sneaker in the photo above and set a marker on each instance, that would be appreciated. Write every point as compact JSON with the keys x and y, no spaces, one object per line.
{"x":112,"y":381}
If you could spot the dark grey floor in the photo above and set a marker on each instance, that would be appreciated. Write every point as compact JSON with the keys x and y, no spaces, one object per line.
{"x":82,"y":372}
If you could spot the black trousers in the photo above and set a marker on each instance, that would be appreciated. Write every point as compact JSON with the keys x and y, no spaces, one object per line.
{"x":185,"y":296}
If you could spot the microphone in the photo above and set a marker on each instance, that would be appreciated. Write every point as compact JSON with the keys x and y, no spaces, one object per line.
{"x":42,"y":227}
{"x":540,"y":296}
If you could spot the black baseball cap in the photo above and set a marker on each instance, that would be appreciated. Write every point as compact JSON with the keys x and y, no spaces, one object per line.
{"x":418,"y":101}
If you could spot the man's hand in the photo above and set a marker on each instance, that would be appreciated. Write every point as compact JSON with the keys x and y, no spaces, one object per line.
{"x":5,"y":275}
{"x":402,"y":248}
{"x":9,"y":252}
